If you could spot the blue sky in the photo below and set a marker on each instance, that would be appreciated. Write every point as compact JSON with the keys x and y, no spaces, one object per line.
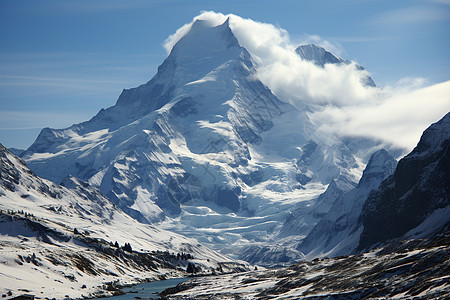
{"x":62,"y":61}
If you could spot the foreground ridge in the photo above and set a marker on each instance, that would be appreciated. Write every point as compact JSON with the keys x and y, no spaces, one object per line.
{"x":405,"y":269}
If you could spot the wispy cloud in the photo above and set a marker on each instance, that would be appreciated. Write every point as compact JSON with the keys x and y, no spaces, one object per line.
{"x":20,"y":120}
{"x":399,"y":119}
{"x":98,"y":6}
{"x":43,"y":74}
{"x":20,"y":128}
{"x":410,"y":15}
{"x":53,"y":81}
{"x":42,"y":88}
{"x":442,"y":1}
{"x":357,"y":39}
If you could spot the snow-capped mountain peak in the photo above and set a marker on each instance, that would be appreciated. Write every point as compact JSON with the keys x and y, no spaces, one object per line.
{"x":434,"y":138}
{"x":204,"y":39}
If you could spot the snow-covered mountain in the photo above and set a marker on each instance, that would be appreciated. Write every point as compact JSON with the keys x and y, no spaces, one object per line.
{"x":414,"y":202}
{"x":69,"y":240}
{"x":320,"y":57}
{"x":203,"y":149}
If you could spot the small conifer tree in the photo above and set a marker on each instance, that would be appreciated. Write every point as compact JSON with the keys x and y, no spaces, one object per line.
{"x":190,"y":268}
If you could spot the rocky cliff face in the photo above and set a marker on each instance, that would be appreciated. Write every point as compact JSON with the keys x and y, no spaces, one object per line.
{"x":416,"y":193}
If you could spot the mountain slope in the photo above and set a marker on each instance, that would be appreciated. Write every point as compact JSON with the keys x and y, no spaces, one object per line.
{"x":204,"y":148}
{"x":57,"y":241}
{"x":416,"y":194}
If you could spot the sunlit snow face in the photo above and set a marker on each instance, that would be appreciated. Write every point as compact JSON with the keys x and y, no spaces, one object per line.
{"x":339,"y":102}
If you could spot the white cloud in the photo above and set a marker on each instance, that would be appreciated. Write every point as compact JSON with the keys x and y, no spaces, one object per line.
{"x":341,"y":104}
{"x":398,"y":119}
{"x":406,"y":85}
